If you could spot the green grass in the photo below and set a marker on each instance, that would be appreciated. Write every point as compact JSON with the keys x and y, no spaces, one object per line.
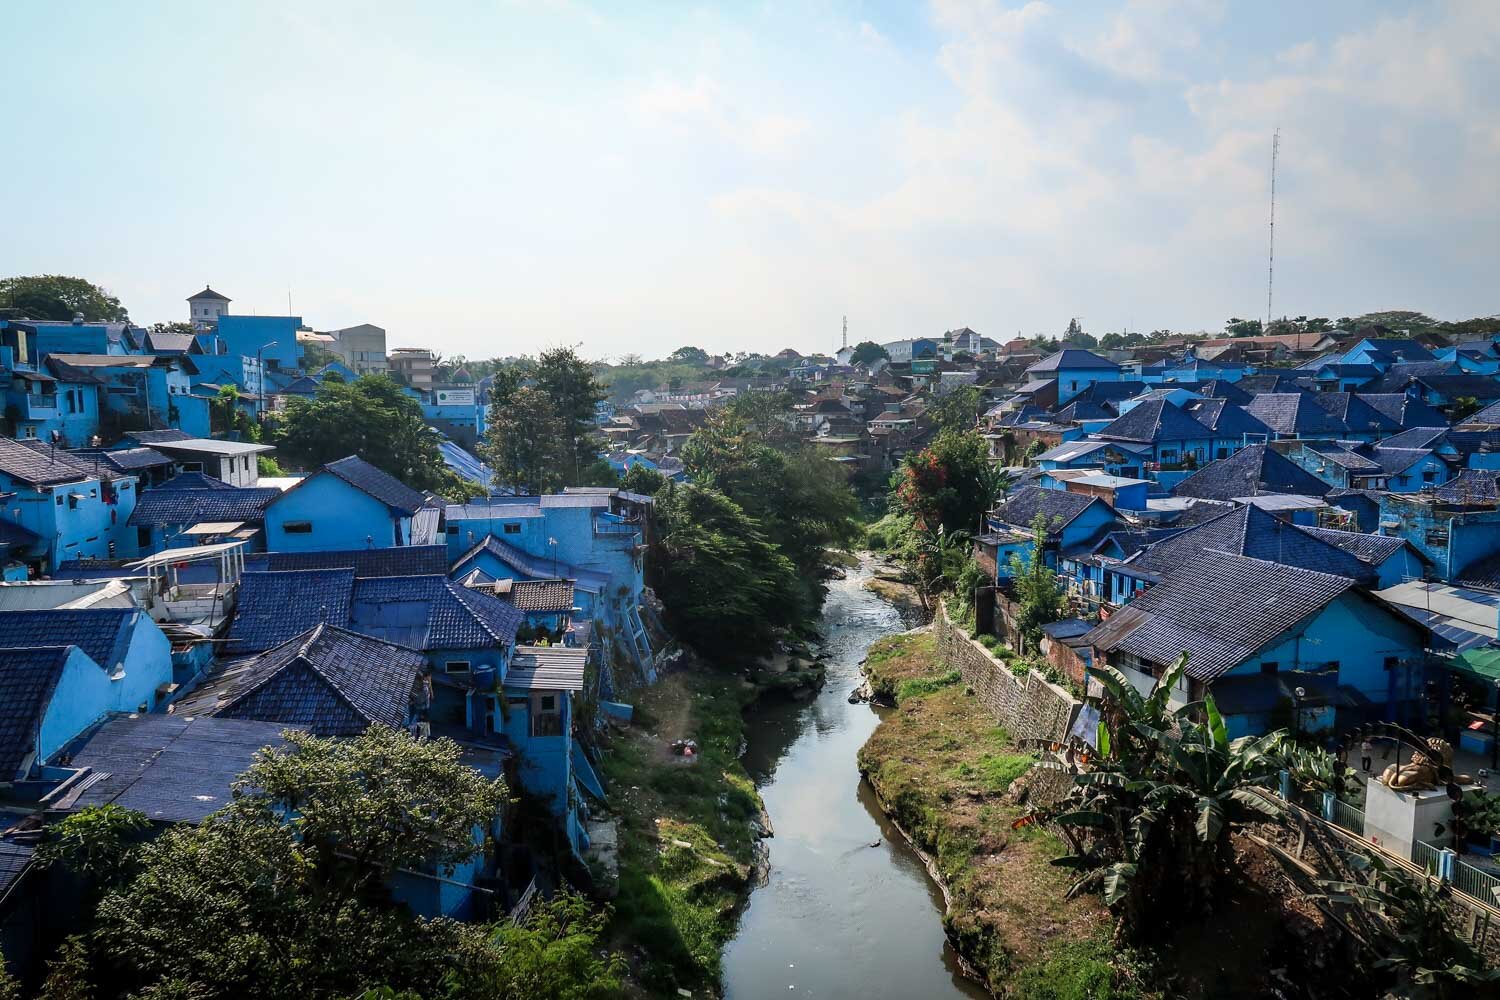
{"x":677,"y":905}
{"x":995,"y":771}
{"x":918,"y":687}
{"x":1077,"y":970}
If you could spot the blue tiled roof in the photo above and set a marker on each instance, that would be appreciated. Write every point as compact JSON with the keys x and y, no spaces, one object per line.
{"x":1356,"y":415}
{"x":158,"y":437}
{"x":1416,"y":437}
{"x":1367,"y":548}
{"x":1224,"y":418}
{"x":536,"y":567}
{"x":174,"y":768}
{"x":1060,"y":507}
{"x":15,"y":859}
{"x":1220,"y":610}
{"x":1471,"y":486}
{"x":42,"y":465}
{"x":27,"y":679}
{"x":431,"y":612}
{"x":1490,"y":415}
{"x":1222,"y":389}
{"x":1403,"y":410}
{"x":1248,"y":472}
{"x":406,"y":560}
{"x":1294,"y":413}
{"x":273,"y":607}
{"x":377,"y":483}
{"x":1248,"y":531}
{"x":1152,"y":421}
{"x":160,"y":506}
{"x":99,"y":632}
{"x":329,"y":680}
{"x":194,"y":481}
{"x":1395,"y":461}
{"x":1073,"y":359}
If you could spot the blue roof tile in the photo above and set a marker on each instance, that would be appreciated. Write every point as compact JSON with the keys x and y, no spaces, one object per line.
{"x":1248,"y":472}
{"x":102,"y":633}
{"x":377,"y":483}
{"x":27,"y":679}
{"x":169,"y":506}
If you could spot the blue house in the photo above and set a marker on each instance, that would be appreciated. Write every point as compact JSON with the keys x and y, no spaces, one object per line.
{"x":50,"y":694}
{"x":1252,"y":471}
{"x":350,"y":504}
{"x":1117,"y":458}
{"x":1382,"y":353}
{"x":1276,"y":645}
{"x":1073,"y":519}
{"x":272,"y":338}
{"x":75,"y":508}
{"x":79,"y":337}
{"x":1075,"y":370}
{"x":124,"y":644}
{"x":457,"y":410}
{"x":1454,"y":525}
{"x":164,"y":515}
{"x":1336,"y":376}
{"x":1177,"y":441}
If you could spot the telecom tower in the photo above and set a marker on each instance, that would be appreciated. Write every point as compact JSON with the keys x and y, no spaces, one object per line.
{"x":1271,"y":250}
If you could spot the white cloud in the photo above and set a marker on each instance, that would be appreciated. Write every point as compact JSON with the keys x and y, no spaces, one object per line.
{"x":704,"y":105}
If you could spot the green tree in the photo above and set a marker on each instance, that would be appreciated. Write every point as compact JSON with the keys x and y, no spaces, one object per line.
{"x":569,"y":383}
{"x":97,"y":842}
{"x":10,"y":986}
{"x":724,"y":584}
{"x":1463,"y":406}
{"x":554,"y":955}
{"x":373,"y":418}
{"x":283,"y":892}
{"x":1038,"y":593}
{"x":58,"y":297}
{"x":948,"y":483}
{"x":867,"y":351}
{"x":640,"y":479}
{"x":523,"y":443}
{"x":957,"y":410}
{"x":68,"y":974}
{"x":689,"y":356}
{"x":1236,"y":327}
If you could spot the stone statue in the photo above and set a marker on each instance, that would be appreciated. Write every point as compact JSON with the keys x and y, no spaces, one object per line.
{"x":1421,"y":772}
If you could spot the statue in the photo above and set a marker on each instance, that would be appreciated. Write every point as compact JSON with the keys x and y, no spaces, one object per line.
{"x":1421,"y":772}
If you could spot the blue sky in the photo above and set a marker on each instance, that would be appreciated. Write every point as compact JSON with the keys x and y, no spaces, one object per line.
{"x":492,"y":178}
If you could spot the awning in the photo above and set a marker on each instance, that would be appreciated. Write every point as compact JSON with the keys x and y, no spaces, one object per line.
{"x":167,"y":557}
{"x":214,"y":528}
{"x":1483,"y":662}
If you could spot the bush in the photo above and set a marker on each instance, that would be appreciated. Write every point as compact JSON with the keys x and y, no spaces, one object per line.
{"x":919,"y":686}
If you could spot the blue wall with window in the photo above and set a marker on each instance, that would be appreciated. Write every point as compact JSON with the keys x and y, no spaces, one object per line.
{"x":326,"y":514}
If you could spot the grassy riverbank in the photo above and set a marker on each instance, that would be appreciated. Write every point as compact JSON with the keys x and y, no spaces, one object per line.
{"x":941,"y":768}
{"x":687,"y":837}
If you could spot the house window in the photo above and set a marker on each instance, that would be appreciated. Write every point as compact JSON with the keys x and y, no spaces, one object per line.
{"x":452,"y":529}
{"x":1391,"y":663}
{"x":512,"y":529}
{"x":1429,"y":476}
{"x":143,"y":537}
{"x":297,"y":527}
{"x":546,"y":714}
{"x":1269,"y":666}
{"x":457,"y":666}
{"x":72,"y":501}
{"x":1332,"y":665}
{"x":29,"y":431}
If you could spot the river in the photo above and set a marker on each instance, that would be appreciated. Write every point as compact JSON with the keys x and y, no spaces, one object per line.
{"x":838,"y":917}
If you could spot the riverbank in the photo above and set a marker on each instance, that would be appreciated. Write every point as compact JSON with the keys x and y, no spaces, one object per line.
{"x":941,"y":769}
{"x":688,"y":830}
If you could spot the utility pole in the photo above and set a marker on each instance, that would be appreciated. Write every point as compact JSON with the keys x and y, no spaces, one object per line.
{"x":1271,"y":250}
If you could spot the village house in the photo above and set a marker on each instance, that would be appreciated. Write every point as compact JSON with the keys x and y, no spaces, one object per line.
{"x":1074,"y":371}
{"x":71,"y":507}
{"x":349,"y":504}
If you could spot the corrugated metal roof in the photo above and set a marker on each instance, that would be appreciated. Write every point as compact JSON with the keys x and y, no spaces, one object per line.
{"x":550,"y":668}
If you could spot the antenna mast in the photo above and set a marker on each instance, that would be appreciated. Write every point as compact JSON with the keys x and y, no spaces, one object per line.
{"x":846,"y":331}
{"x":1271,"y":250}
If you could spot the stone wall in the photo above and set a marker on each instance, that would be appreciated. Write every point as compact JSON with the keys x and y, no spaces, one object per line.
{"x":1028,"y":707}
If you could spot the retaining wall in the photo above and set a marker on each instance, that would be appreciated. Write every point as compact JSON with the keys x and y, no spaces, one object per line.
{"x":1029,"y":707}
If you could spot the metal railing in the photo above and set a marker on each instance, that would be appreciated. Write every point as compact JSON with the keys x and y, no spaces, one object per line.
{"x":1476,"y":882}
{"x":1349,"y":817}
{"x":1427,"y":857}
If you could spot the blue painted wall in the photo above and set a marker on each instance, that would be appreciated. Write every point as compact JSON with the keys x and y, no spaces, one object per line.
{"x":342,"y":517}
{"x":244,"y":335}
{"x":73,"y":520}
{"x":83,"y":696}
{"x":1072,"y":381}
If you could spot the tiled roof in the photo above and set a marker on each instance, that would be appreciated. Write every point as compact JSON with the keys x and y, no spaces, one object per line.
{"x":1367,"y":548}
{"x":1072,"y":360}
{"x":1060,"y":507}
{"x":158,"y":506}
{"x":1224,"y":418}
{"x":1357,"y":416}
{"x":1404,"y":410}
{"x":42,"y":466}
{"x":1223,"y":389}
{"x":330,"y":680}
{"x":1346,"y":459}
{"x":1399,"y":347}
{"x":1276,"y":381}
{"x":538,"y":567}
{"x":99,"y":632}
{"x":273,"y":607}
{"x":195,"y":481}
{"x":168,"y":343}
{"x":1152,"y":421}
{"x":377,"y":483}
{"x":1294,"y":413}
{"x":1490,"y":415}
{"x":303,"y":386}
{"x":1248,"y":531}
{"x":126,"y":460}
{"x":15,"y":859}
{"x":431,"y":612}
{"x":1416,"y":437}
{"x":407,"y":560}
{"x":27,"y":679}
{"x":1471,"y":486}
{"x":1251,"y":470}
{"x":1397,"y":460}
{"x":1483,"y":574}
{"x":208,"y":293}
{"x":541,"y":595}
{"x":175,"y":768}
{"x":1220,"y":610}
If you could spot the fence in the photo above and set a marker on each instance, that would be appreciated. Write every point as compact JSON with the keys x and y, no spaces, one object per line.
{"x":1476,"y":882}
{"x":1347,"y":816}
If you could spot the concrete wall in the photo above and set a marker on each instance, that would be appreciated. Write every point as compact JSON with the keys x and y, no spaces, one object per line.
{"x":342,"y":517}
{"x":1028,"y":707}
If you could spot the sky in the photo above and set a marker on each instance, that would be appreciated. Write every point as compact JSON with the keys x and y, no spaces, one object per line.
{"x":490,"y":179}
